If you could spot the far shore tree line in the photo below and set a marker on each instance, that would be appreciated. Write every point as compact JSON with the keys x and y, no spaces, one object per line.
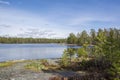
{"x":79,"y":39}
{"x":12,"y":40}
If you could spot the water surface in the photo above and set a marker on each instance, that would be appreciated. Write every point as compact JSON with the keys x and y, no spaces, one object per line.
{"x":31,"y":51}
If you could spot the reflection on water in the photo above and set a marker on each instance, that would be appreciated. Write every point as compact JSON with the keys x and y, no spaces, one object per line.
{"x":31,"y":51}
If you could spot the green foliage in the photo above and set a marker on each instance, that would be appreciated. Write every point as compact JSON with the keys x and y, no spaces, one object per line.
{"x":70,"y":52}
{"x":81,"y":52}
{"x":65,"y":59}
{"x":67,"y":56}
{"x":80,"y":39}
{"x":93,"y":36}
{"x":83,"y":38}
{"x":105,"y":50}
{"x":71,"y":39}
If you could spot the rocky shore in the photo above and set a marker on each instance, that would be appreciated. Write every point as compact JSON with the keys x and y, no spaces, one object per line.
{"x":17,"y":71}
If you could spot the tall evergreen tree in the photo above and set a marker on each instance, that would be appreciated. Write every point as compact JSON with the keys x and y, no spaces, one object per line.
{"x":72,"y":39}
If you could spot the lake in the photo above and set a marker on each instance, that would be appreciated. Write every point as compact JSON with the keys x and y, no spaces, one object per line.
{"x":31,"y":51}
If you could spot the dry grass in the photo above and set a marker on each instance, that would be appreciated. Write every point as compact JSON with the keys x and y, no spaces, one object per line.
{"x":35,"y":66}
{"x":6,"y":64}
{"x":40,"y":65}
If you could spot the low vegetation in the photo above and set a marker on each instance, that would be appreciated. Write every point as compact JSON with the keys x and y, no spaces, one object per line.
{"x":6,"y":64}
{"x":37,"y":65}
{"x":41,"y":65}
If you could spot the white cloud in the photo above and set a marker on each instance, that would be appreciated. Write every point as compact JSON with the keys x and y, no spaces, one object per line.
{"x":37,"y":33}
{"x":5,"y":26}
{"x":21,"y":21}
{"x":4,"y":2}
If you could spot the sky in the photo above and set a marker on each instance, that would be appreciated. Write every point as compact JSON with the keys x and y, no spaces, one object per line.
{"x":56,"y":18}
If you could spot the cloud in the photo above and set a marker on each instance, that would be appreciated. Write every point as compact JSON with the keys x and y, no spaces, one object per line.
{"x":5,"y":25}
{"x":4,"y":2}
{"x":27,"y":24}
{"x":37,"y":33}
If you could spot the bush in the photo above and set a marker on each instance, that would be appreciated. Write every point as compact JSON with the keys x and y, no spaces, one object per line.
{"x":65,"y":59}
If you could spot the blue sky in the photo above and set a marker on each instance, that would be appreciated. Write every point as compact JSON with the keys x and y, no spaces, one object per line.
{"x":56,"y":18}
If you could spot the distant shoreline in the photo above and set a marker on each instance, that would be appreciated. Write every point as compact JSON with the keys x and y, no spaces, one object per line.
{"x":44,"y":43}
{"x":17,"y":60}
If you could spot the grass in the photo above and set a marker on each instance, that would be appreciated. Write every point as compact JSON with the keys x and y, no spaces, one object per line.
{"x":37,"y":65}
{"x":6,"y":64}
{"x":40,"y":65}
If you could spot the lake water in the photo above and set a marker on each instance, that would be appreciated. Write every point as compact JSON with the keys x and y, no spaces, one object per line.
{"x":31,"y":51}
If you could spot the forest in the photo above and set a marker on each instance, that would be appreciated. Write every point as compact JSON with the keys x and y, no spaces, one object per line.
{"x":99,"y":54}
{"x":29,"y":40}
{"x":91,"y":37}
